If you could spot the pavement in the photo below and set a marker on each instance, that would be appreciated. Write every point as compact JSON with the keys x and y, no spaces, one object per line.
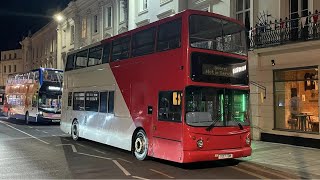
{"x":295,"y":160}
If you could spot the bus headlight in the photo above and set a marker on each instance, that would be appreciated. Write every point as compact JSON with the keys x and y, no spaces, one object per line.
{"x":40,"y":113}
{"x":200,"y":143}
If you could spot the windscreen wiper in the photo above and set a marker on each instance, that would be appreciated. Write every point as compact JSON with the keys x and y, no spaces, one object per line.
{"x":209,"y":128}
{"x":240,"y":126}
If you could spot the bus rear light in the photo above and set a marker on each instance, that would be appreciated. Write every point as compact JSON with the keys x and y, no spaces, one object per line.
{"x":200,"y":143}
{"x":248,"y":139}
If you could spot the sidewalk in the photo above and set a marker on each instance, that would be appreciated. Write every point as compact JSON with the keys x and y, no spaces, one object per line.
{"x":301,"y":161}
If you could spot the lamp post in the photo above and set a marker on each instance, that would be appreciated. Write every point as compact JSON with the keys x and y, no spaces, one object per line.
{"x":58,"y":17}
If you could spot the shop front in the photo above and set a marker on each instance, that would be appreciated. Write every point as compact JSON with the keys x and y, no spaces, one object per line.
{"x":296,"y":99}
{"x":290,"y":112}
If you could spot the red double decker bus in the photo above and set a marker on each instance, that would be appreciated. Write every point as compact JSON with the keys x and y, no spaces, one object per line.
{"x":176,"y":89}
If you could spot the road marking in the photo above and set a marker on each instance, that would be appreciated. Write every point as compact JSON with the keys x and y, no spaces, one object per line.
{"x":137,"y":177}
{"x":162,"y":173}
{"x":100,"y":157}
{"x":30,"y":127}
{"x":37,"y":130}
{"x":99,"y":151}
{"x":81,"y":145}
{"x":73,"y":147}
{"x":24,"y":133}
{"x":122,"y":168}
{"x":250,"y":173}
{"x":45,"y":132}
{"x":265,"y":171}
{"x":124,"y":160}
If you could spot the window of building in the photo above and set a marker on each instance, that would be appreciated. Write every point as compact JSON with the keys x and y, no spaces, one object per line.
{"x":15,"y":68}
{"x":9,"y":56}
{"x":92,"y":101}
{"x":81,"y":59}
{"x":9,"y":68}
{"x":84,"y":28}
{"x":106,"y":53}
{"x":143,"y":42}
{"x":64,"y":36}
{"x":170,"y":106}
{"x":121,"y":11}
{"x":15,"y":55}
{"x":143,"y":5}
{"x":107,"y":102}
{"x":79,"y":101}
{"x":296,"y":99}
{"x":70,"y":99}
{"x":121,"y":48}
{"x":5,"y":57}
{"x":298,"y":8}
{"x":5,"y":69}
{"x":169,"y":35}
{"x":243,"y":11}
{"x":108,"y":17}
{"x":95,"y":24}
{"x":95,"y":56}
{"x":72,"y":34}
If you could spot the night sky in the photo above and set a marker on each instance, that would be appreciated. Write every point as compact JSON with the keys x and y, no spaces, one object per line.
{"x":17,"y":17}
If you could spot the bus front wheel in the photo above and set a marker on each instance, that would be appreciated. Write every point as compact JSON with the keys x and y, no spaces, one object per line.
{"x":140,"y":145}
{"x":75,"y":130}
{"x":26,"y":118}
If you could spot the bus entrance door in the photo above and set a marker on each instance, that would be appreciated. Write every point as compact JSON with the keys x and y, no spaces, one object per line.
{"x":167,"y":127}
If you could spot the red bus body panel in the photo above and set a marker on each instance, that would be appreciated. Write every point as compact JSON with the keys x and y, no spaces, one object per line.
{"x":142,"y":78}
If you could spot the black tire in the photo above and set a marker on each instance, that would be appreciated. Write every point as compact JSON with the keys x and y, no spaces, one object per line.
{"x":140,"y":145}
{"x":75,"y":130}
{"x":26,"y":118}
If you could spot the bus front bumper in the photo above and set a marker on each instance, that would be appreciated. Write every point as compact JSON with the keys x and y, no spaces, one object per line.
{"x":213,"y":155}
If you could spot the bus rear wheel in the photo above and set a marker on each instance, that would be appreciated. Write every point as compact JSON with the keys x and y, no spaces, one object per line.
{"x":75,"y":130}
{"x":140,"y":149}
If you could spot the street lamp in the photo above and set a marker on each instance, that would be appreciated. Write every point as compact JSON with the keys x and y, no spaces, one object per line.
{"x":58,"y":17}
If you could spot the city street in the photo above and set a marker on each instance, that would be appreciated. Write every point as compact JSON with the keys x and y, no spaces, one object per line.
{"x":43,"y":151}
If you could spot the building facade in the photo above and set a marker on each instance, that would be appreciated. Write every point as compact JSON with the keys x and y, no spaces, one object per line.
{"x":40,"y":48}
{"x":86,"y":22}
{"x":285,"y":59}
{"x":11,"y":63}
{"x":142,"y":12}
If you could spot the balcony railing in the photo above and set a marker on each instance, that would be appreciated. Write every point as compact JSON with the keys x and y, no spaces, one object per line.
{"x":285,"y":31}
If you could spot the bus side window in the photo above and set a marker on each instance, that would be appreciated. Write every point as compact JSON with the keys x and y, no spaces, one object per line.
{"x":111,"y":102}
{"x":106,"y":53}
{"x":95,"y":56}
{"x":170,"y":106}
{"x":121,"y":48}
{"x":70,"y":62}
{"x":143,"y":42}
{"x":78,"y":101}
{"x":69,"y":99}
{"x":169,"y":35}
{"x":82,"y":59}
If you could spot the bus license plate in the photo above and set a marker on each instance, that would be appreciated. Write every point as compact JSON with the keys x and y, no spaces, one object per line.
{"x":225,"y":156}
{"x":55,"y":121}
